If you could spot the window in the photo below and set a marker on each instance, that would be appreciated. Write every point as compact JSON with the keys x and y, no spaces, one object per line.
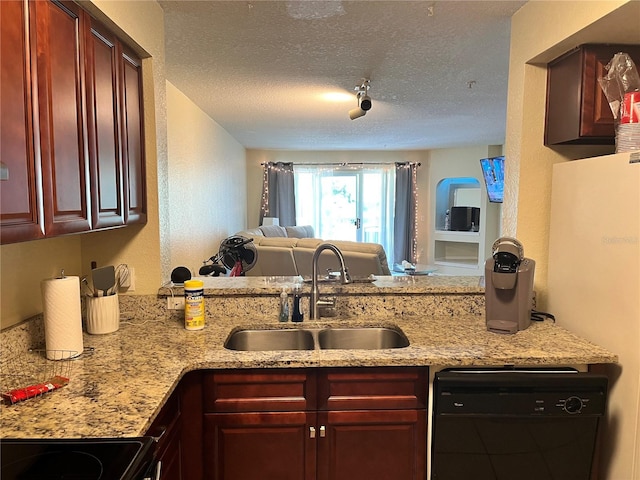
{"x":347,"y":202}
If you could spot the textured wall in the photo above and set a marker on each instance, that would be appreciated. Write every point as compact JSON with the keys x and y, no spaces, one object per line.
{"x":25,"y":265}
{"x":540,"y":32}
{"x":207,"y":183}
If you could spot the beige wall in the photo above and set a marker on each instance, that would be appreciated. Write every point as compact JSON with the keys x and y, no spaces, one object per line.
{"x":207,"y":183}
{"x":24,"y":265}
{"x":540,"y":32}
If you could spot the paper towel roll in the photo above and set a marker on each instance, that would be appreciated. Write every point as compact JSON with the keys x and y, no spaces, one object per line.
{"x":62,"y":317}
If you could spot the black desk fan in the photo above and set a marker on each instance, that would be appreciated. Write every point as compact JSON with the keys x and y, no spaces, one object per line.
{"x":237,"y":253}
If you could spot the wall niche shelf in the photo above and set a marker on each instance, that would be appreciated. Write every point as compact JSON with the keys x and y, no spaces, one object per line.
{"x":457,"y":254}
{"x":462,"y":252}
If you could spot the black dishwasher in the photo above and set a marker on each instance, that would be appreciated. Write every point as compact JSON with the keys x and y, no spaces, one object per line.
{"x":507,"y":424}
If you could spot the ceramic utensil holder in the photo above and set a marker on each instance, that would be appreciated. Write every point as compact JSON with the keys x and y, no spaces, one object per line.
{"x":103,"y":314}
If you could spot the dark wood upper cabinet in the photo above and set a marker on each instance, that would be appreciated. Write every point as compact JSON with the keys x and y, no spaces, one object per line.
{"x":20,"y":192}
{"x":60,"y":72}
{"x":132,"y":121}
{"x":103,"y":111}
{"x":577,"y":112}
{"x":72,"y":150}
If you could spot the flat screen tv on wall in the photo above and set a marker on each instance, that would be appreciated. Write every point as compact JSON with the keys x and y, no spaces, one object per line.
{"x":493,"y":173}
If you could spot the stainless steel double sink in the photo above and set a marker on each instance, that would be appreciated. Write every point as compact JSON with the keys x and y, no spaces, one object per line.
{"x":348,"y":338}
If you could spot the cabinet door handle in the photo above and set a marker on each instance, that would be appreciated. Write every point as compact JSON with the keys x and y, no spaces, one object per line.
{"x":162,"y":429}
{"x":323,"y":431}
{"x":312,"y":432}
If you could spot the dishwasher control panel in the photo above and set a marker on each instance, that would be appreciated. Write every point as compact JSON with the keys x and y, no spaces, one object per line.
{"x":536,"y":392}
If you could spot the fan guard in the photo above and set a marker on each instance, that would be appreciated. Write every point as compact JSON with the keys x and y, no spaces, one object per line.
{"x":238,"y":254}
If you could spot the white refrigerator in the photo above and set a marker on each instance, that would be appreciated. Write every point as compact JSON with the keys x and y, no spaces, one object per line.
{"x":594,"y":285}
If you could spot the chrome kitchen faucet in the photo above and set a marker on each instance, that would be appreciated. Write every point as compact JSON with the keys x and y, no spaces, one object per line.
{"x":315,"y":303}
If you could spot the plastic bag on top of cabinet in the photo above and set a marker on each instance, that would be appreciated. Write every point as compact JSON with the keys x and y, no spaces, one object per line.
{"x":621,"y":79}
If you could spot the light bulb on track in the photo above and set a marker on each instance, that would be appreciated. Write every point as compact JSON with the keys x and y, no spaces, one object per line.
{"x":364,"y":100}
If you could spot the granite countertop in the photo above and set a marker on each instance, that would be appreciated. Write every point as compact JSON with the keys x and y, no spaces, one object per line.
{"x":378,"y":285}
{"x":117,"y":390}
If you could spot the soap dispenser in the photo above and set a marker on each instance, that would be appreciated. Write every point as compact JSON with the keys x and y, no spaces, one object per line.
{"x":284,"y":306}
{"x":297,"y":315}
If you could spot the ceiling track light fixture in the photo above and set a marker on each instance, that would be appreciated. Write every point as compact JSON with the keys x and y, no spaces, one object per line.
{"x":364,"y":100}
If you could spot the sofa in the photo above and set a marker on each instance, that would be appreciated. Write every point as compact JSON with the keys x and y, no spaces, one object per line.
{"x":288,"y":251}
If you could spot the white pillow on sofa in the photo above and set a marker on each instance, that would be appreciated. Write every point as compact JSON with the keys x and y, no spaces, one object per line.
{"x":300,"y":231}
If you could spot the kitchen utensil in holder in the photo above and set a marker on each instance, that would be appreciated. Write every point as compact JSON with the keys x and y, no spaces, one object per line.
{"x":32,"y":374}
{"x":103,"y":314}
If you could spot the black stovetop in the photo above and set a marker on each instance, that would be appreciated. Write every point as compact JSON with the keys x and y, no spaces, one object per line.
{"x":76,"y":459}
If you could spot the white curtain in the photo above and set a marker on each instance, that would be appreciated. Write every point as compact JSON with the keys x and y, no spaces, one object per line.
{"x":347,"y":202}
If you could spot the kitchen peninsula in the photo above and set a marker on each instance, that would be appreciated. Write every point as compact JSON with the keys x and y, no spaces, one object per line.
{"x":118,"y":389}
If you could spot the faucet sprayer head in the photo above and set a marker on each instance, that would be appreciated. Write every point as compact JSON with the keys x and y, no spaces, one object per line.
{"x":344,"y":276}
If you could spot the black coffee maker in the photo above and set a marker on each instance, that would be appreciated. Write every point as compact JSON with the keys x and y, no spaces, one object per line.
{"x":508,"y":287}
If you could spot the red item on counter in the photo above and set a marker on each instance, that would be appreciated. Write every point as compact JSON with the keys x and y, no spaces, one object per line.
{"x":236,"y":271}
{"x":20,"y":394}
{"x":630,"y":110}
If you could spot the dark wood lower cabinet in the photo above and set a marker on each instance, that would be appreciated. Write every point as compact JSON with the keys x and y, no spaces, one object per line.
{"x":373,"y":445}
{"x":365,"y":445}
{"x":167,"y":428}
{"x":351,"y":424}
{"x":296,"y":424}
{"x":265,"y":445}
{"x":178,"y":428}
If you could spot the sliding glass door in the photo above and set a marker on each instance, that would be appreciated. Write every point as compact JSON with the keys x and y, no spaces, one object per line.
{"x":340,"y":206}
{"x":347,"y":203}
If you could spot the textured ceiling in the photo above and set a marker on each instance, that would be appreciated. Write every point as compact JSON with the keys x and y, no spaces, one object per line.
{"x":261,"y":69}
